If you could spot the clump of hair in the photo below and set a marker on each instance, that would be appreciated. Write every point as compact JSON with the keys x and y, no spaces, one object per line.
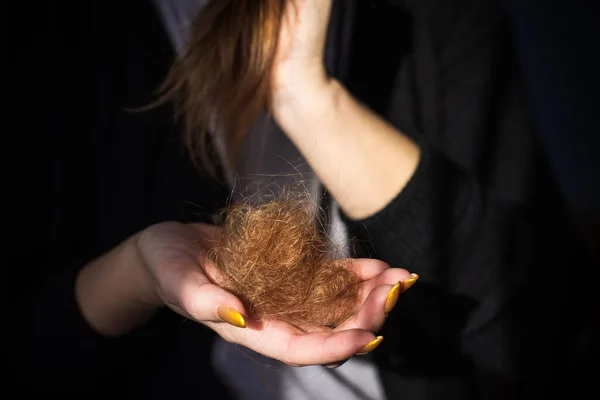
{"x":224,"y":78}
{"x":275,"y":258}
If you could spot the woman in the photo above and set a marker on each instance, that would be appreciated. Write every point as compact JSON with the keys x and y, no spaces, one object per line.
{"x":121,"y":290}
{"x":464,"y":229}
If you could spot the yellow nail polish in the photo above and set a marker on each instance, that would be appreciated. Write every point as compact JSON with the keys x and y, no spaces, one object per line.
{"x":392,"y":298}
{"x":407,"y":283}
{"x":369,"y":347}
{"x":231,"y":316}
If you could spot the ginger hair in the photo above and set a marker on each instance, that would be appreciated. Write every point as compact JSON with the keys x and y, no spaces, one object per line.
{"x":275,"y":258}
{"x":224,"y":77}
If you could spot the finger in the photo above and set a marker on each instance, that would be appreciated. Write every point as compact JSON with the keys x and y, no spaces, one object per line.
{"x":329,"y":348}
{"x":373,"y":313}
{"x":380,"y":296}
{"x":390,"y":276}
{"x":282,"y":342}
{"x":198,"y":299}
{"x":367,"y":268}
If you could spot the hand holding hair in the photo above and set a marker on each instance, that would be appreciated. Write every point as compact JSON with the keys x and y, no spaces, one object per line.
{"x":166,"y":265}
{"x":291,"y":299}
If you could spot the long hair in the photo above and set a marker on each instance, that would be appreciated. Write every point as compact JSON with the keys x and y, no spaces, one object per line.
{"x":223,"y":80}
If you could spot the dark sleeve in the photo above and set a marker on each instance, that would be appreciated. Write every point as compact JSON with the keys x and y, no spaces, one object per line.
{"x":439,"y":202}
{"x":60,"y":350}
{"x":56,"y":334}
{"x":443,"y":227}
{"x":427,"y":229}
{"x":484,"y":304}
{"x":469,"y":237}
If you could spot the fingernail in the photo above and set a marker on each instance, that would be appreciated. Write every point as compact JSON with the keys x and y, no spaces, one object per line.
{"x":231,"y":316}
{"x":392,"y":298}
{"x":407,"y":283}
{"x":369,"y":347}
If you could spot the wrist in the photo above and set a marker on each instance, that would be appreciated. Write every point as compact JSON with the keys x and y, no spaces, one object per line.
{"x":114,"y":291}
{"x":138,"y":285}
{"x":363,"y":160}
{"x":300,"y":107}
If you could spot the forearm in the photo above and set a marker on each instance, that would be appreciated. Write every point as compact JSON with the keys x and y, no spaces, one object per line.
{"x":362,"y":160}
{"x":110,"y":291}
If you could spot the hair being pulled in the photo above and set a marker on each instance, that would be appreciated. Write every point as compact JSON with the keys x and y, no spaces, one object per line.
{"x":224,"y":78}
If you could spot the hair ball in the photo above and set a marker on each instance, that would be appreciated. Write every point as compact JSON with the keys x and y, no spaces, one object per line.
{"x":275,"y":258}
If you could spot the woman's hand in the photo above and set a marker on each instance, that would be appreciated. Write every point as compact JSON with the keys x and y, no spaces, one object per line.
{"x":364,"y":161}
{"x":162,"y":266}
{"x":299,"y":68}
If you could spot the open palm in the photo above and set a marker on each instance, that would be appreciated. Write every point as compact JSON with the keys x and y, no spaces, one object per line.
{"x":172,"y":254}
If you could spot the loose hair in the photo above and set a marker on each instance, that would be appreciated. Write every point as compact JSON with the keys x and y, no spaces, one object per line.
{"x":275,"y":257}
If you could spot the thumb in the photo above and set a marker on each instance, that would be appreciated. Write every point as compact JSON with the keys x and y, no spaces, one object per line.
{"x":215,"y":304}
{"x":196,"y":298}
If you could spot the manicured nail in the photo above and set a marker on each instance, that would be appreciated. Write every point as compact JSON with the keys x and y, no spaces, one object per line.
{"x":231,"y":316}
{"x":369,"y":347}
{"x":407,"y":283}
{"x":392,"y":298}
